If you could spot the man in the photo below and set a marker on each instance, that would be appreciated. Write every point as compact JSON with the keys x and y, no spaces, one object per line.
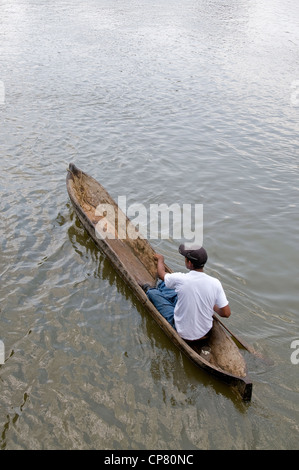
{"x":189,"y":300}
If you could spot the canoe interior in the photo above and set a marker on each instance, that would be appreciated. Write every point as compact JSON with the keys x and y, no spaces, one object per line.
{"x":134,"y":261}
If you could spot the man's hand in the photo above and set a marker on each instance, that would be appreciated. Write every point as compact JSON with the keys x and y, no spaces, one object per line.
{"x":160,"y":265}
{"x":223,"y":312}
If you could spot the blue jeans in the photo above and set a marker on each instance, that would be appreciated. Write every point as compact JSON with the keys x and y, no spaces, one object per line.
{"x":164,"y":299}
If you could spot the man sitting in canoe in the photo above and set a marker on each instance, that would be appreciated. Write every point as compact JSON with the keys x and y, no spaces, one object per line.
{"x":189,"y":300}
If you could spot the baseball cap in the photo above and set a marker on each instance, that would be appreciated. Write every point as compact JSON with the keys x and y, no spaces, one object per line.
{"x":194,"y":253}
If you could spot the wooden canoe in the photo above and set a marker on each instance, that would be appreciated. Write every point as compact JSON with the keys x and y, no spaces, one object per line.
{"x":134,"y":261}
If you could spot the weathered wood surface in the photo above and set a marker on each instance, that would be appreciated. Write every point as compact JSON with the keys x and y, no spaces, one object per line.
{"x":134,"y":261}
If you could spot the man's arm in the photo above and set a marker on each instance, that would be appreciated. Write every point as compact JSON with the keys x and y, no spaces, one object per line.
{"x":160,"y":266}
{"x":224,"y":311}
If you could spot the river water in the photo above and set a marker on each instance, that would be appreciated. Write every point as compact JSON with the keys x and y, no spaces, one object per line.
{"x":192,"y":102}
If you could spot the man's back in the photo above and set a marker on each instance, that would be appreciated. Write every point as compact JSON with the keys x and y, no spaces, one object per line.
{"x":188,"y":301}
{"x":198,"y":293}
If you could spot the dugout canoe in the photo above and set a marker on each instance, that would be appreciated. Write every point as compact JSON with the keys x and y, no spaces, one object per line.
{"x":133,"y":259}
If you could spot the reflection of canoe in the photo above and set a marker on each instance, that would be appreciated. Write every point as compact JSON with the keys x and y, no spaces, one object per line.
{"x":133,"y":260}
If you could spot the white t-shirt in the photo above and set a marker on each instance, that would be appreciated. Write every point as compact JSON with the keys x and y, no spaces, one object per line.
{"x":197,"y":294}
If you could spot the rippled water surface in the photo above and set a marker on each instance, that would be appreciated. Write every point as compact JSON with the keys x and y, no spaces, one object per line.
{"x":187,"y":102}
